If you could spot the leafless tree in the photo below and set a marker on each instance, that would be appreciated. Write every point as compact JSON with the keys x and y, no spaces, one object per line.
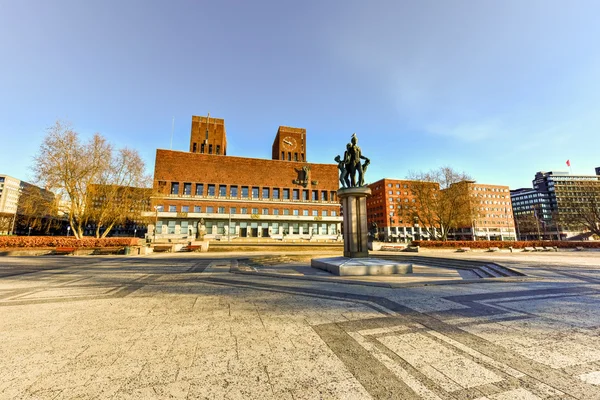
{"x":441,"y":202}
{"x":71,"y":168}
{"x":6,"y":222}
{"x":37,"y":209}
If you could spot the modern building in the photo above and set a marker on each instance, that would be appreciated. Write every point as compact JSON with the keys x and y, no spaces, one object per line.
{"x":12,"y":201}
{"x":10,"y":190}
{"x":240,"y":197}
{"x":551,"y":202}
{"x":532,"y":211}
{"x":385,"y":216}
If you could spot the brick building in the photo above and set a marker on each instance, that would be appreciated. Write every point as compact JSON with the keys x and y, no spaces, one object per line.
{"x":385,"y":207}
{"x":492,"y":217}
{"x":392,"y":203}
{"x":243,"y":197}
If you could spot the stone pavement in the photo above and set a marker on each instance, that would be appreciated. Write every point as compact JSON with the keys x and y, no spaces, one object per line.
{"x":183,"y":326}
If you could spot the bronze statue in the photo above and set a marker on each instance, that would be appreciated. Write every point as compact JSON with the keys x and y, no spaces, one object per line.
{"x":352,"y":159}
{"x":344,"y":180}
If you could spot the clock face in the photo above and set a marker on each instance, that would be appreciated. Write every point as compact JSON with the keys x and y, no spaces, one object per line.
{"x":289,"y":143}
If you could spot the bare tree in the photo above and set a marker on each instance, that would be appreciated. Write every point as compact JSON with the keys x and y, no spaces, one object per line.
{"x":6,"y":223}
{"x":441,"y":201}
{"x":121,"y":193}
{"x":71,"y":168}
{"x":37,"y":209}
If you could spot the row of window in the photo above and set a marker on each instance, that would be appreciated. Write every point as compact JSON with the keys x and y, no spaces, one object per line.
{"x":203,"y":148}
{"x":405,"y":186}
{"x":247,"y":228}
{"x":289,"y":156}
{"x":244,"y":210}
{"x":246,"y":192}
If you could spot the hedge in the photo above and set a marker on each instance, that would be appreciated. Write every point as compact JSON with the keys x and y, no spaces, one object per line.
{"x":484,"y":244}
{"x":64,"y":241}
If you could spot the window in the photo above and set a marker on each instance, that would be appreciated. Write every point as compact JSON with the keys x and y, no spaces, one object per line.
{"x":296,"y":212}
{"x":295,"y":156}
{"x":276,"y":211}
{"x":172,"y":208}
{"x":222,"y":190}
{"x":276,"y":193}
{"x":195,"y":147}
{"x":305,"y":212}
{"x":210,"y":149}
{"x":286,"y":211}
{"x":334,"y":213}
{"x":233,"y":191}
{"x":244,"y":210}
{"x":210,"y":209}
{"x":187,"y":189}
{"x":305,"y":195}
{"x":332,"y":196}
{"x":232,"y":210}
{"x":197,"y":209}
{"x":389,"y":185}
{"x":174,"y":187}
{"x":391,"y":192}
{"x":265,"y":193}
{"x":315,"y":195}
{"x":315,"y":213}
{"x":184,"y":227}
{"x":185,"y":208}
{"x":199,"y":189}
{"x":158,"y":226}
{"x":244,"y":192}
{"x":324,"y":195}
{"x":324,"y":213}
{"x":202,"y":148}
{"x":295,"y":194}
{"x":160,"y":208}
{"x":255,"y":192}
{"x":211,"y":189}
{"x":218,"y":149}
{"x":255,"y":211}
{"x":286,"y":194}
{"x":265,"y":211}
{"x":221,"y":210}
{"x":171,"y":227}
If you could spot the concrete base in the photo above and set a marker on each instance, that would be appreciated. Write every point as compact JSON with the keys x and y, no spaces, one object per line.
{"x":344,"y":266}
{"x":202,"y":244}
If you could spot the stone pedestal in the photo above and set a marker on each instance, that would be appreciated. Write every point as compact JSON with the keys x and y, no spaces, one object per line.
{"x":356,"y":261}
{"x":354,"y":205}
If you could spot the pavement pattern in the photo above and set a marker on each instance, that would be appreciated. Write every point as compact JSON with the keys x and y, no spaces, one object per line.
{"x":185,"y":327}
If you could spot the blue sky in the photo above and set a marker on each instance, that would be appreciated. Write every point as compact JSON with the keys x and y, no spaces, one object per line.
{"x":498,"y":89}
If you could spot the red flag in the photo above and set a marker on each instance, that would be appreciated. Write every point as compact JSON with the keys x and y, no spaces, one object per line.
{"x":568,"y":163}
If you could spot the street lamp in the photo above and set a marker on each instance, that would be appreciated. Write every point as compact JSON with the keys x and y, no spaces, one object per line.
{"x":155,"y":221}
{"x":29,"y":233}
{"x":68,"y":230}
{"x":134,"y":232}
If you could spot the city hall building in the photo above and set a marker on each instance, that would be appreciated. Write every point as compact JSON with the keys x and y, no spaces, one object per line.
{"x":238,"y":197}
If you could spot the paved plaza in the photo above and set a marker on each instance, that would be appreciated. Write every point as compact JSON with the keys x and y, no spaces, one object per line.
{"x":212,"y":326}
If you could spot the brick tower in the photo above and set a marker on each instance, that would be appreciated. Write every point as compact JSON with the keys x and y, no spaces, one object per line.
{"x":290,"y":144}
{"x":208,"y":135}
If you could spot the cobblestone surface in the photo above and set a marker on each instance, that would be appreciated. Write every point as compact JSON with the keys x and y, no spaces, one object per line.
{"x":184,"y":327}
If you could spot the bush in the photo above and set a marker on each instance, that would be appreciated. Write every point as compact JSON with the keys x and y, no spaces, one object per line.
{"x":484,"y":244}
{"x":63,"y":241}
